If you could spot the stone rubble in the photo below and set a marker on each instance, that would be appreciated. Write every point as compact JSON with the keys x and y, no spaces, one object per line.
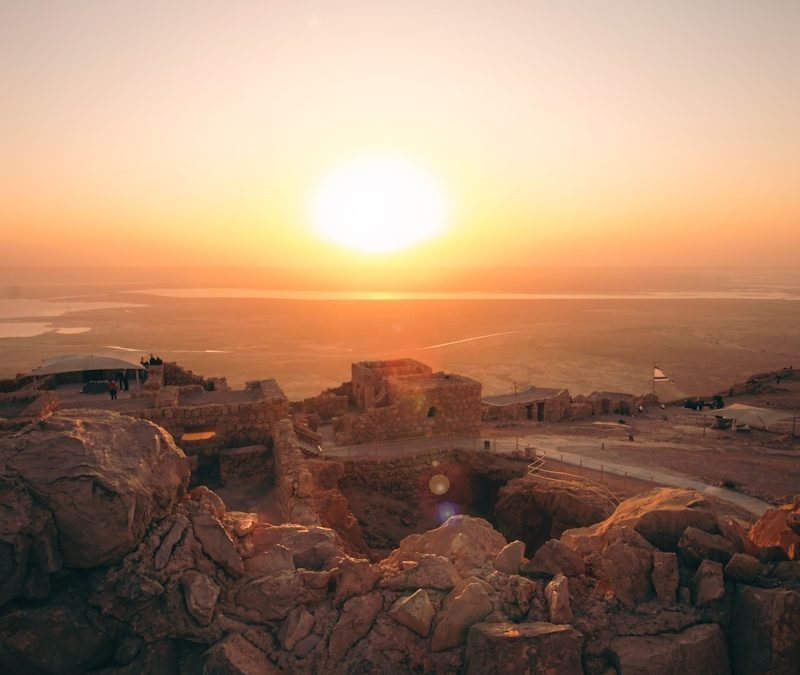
{"x":180,"y":585}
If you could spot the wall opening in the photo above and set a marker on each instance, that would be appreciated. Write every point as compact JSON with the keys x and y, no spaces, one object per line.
{"x":540,"y":411}
{"x":529,"y":411}
{"x":432,"y":411}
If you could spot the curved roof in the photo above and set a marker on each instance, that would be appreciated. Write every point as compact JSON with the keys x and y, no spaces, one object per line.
{"x":77,"y":363}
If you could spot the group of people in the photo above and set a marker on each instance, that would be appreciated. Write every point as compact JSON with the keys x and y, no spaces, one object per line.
{"x":152,"y":361}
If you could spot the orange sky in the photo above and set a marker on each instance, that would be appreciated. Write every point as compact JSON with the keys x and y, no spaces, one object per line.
{"x":594,"y":133}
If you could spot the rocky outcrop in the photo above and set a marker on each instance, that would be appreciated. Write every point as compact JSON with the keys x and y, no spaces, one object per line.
{"x":535,"y":512}
{"x":538,"y":648}
{"x":661,"y":516}
{"x":779,"y":527}
{"x":699,"y":650}
{"x":469,"y":543}
{"x":206,"y":590}
{"x":104,"y":478}
{"x":764,"y":633}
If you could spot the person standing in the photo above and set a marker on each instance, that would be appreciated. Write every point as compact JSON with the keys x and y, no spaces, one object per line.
{"x":112,"y":389}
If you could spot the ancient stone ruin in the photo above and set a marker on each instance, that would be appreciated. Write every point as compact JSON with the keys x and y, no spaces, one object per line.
{"x":109,"y":565}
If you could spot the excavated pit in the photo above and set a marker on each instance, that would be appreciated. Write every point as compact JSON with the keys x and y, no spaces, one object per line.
{"x":392,"y":499}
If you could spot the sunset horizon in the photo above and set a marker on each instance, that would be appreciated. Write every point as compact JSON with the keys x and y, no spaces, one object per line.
{"x":520,"y":135}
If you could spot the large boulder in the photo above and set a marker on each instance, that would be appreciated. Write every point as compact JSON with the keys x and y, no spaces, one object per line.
{"x":699,"y":650}
{"x":29,"y":550}
{"x":469,"y":543}
{"x":537,"y":648}
{"x":63,"y":636}
{"x":624,"y":566}
{"x":764,"y":630}
{"x":463,"y":608}
{"x":105,"y":477}
{"x":554,"y":558}
{"x":697,"y":546}
{"x":779,"y":527}
{"x":660,"y":516}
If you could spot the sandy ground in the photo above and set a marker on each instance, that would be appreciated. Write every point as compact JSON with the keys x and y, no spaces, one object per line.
{"x":758,"y":463}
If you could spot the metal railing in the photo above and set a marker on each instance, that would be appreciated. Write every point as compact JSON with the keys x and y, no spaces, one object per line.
{"x":536,"y":469}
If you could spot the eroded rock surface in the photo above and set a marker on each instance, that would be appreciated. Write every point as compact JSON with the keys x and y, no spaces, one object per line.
{"x":200,"y":589}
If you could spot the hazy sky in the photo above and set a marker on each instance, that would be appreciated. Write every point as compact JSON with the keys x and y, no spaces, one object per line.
{"x":590,"y":132}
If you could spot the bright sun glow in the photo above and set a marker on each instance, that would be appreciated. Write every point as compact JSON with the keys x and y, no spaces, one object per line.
{"x":378,"y":205}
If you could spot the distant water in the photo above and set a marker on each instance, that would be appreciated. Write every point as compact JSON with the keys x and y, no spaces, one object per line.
{"x":275,"y":294}
{"x":704,"y":336}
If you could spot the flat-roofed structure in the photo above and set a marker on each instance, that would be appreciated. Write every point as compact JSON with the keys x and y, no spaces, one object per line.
{"x":534,"y":404}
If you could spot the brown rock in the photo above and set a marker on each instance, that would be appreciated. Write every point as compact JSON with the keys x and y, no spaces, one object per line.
{"x":105,"y":477}
{"x":699,"y":650}
{"x":775,"y":528}
{"x":414,"y":611}
{"x":207,"y":501}
{"x":708,"y":584}
{"x":354,"y":577}
{"x":557,"y":594}
{"x":158,"y":658}
{"x":660,"y":516}
{"x":272,"y":598}
{"x":743,"y":568}
{"x":239,"y":522}
{"x":63,"y":636}
{"x":625,"y":570}
{"x":463,"y":608}
{"x":665,"y":576}
{"x":553,"y":558}
{"x":735,"y":531}
{"x":697,"y":545}
{"x":534,"y":648}
{"x":764,"y":634}
{"x":534,"y":512}
{"x":164,"y":551}
{"x":428,"y":571}
{"x":510,"y":558}
{"x":787,"y":571}
{"x":312,"y":547}
{"x":201,"y":595}
{"x":217,"y":544}
{"x":469,"y":543}
{"x":277,"y":560}
{"x":354,"y":623}
{"x":298,"y":625}
{"x":233,"y":655}
{"x":772,"y":554}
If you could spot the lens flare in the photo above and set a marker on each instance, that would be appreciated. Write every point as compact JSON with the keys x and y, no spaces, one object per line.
{"x":439,"y":484}
{"x":444,"y":511}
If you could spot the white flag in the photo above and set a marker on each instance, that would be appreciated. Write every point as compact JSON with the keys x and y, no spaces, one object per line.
{"x":658,"y":375}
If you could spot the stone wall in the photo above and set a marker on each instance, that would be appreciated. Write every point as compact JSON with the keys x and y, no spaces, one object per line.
{"x":327,"y":405}
{"x":176,"y":375}
{"x":436,"y":406}
{"x":294,"y":480}
{"x":250,"y":461}
{"x":369,"y":380}
{"x":234,"y":424}
{"x":555,"y":409}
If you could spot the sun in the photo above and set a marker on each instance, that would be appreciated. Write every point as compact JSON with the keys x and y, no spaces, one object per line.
{"x":378,"y":204}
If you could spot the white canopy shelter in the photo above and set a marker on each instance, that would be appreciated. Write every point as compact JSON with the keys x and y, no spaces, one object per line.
{"x":79,"y":363}
{"x":757,"y":418}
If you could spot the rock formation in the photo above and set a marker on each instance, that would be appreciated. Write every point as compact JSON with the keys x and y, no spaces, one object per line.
{"x":174,"y":583}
